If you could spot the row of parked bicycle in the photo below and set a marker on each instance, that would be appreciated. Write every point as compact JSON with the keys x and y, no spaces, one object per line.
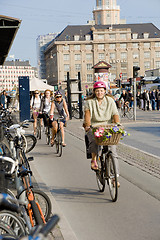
{"x":25,"y":211}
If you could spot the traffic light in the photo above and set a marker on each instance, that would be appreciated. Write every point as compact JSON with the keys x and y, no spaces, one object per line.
{"x":135,"y":71}
{"x":130,"y":81}
{"x":118,"y":83}
{"x":142,"y":81}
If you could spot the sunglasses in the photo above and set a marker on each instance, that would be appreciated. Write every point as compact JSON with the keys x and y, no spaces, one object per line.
{"x":58,"y":96}
{"x":36,"y":93}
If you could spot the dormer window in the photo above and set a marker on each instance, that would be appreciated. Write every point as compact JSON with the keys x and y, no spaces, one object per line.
{"x":76,"y":37}
{"x":146,"y":35}
{"x":135,"y":35}
{"x":88,"y":37}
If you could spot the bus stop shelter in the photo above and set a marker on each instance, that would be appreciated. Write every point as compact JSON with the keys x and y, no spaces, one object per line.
{"x":8,"y":29}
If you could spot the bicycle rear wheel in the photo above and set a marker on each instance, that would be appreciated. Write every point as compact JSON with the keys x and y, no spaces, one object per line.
{"x":111,"y":175}
{"x":75,"y":113}
{"x":31,"y":142}
{"x":100,"y":175}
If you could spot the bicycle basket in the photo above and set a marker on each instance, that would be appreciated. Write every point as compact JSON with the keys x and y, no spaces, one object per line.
{"x":108,"y":134}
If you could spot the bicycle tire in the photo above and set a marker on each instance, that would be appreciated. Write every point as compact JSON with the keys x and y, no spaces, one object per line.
{"x":31,"y":142}
{"x":14,"y":221}
{"x":100,"y":175}
{"x":5,"y":229}
{"x":59,"y":136}
{"x":111,"y":175}
{"x":44,"y":202}
{"x":36,"y":213}
{"x":129,"y":114}
{"x":48,"y":135}
{"x":38,"y":131}
{"x":75,"y":113}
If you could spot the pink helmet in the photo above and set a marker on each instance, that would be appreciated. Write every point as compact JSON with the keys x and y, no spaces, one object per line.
{"x":99,"y":84}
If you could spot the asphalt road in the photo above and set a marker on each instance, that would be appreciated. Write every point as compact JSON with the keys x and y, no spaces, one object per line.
{"x":87,"y":214}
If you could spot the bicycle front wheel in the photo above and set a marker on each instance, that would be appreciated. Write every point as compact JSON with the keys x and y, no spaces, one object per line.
{"x":31,"y":142}
{"x":38,"y":133}
{"x":100,"y":175}
{"x":59,"y":143}
{"x":44,"y":202}
{"x":111,"y":175}
{"x":48,"y":135}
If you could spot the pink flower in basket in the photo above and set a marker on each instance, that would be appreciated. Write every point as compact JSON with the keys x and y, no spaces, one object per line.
{"x":101,"y":130}
{"x":98,"y":134}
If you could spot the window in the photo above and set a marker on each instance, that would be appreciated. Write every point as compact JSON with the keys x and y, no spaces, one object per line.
{"x":158,"y":54}
{"x":135,"y":55}
{"x":146,"y":35}
{"x":99,"y":2}
{"x":98,"y":18}
{"x":89,"y":78}
{"x":65,"y":77}
{"x":77,"y":67}
{"x":66,"y":57}
{"x":147,"y":65}
{"x":66,"y":47}
{"x":88,"y":37}
{"x":112,"y":36}
{"x":113,"y":66}
{"x":146,"y":45}
{"x":112,"y":46}
{"x":101,"y":56}
{"x":135,"y":45}
{"x":123,"y":35}
{"x":77,"y":47}
{"x":123,"y":45}
{"x":157,"y":64}
{"x":123,"y":66}
{"x":157,"y":44}
{"x":100,"y":46}
{"x":89,"y":66}
{"x":112,"y":55}
{"x":77,"y":57}
{"x":66,"y":67}
{"x":89,"y":56}
{"x":88,"y":47}
{"x":76,"y":37}
{"x":146,"y":54}
{"x":101,"y":36}
{"x":135,"y":35}
{"x":124,"y":76}
{"x":123,"y":55}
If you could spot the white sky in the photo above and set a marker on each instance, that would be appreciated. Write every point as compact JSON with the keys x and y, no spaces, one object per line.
{"x":43,"y":17}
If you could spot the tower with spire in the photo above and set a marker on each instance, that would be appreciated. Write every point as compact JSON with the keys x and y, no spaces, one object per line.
{"x":106,"y":12}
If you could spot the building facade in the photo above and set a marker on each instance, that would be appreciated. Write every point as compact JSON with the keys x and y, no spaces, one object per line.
{"x":42,"y":43}
{"x":106,"y":12}
{"x":79,"y":48}
{"x":10,"y":72}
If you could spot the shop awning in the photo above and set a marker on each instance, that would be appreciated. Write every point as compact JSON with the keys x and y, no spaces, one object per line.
{"x":8,"y":29}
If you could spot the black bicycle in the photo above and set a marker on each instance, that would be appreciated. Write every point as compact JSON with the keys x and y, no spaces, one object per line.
{"x":107,"y":172}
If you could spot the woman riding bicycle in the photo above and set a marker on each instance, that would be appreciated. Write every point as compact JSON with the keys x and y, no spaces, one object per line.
{"x":35,"y":106}
{"x":59,"y":109}
{"x":100,"y":109}
{"x":46,"y":106}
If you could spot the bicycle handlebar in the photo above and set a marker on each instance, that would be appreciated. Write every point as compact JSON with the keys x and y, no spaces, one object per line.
{"x":6,"y":205}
